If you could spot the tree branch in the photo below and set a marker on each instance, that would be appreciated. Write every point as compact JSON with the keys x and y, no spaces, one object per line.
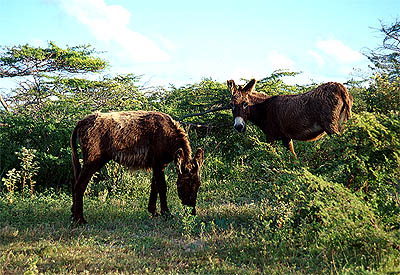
{"x":4,"y":104}
{"x":226,"y":107}
{"x":203,"y":125}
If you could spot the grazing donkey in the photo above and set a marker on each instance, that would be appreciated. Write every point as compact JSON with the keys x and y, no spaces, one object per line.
{"x":138,"y":140}
{"x":285,"y":117}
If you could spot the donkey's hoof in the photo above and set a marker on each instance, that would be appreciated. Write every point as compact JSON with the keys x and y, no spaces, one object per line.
{"x":154,"y":214}
{"x":193,"y":212}
{"x":78,"y":221}
{"x":167,"y":215}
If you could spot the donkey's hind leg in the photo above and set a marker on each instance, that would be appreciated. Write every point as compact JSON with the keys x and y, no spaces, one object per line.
{"x":86,"y":174}
{"x":331,"y":128}
{"x":288,"y":143}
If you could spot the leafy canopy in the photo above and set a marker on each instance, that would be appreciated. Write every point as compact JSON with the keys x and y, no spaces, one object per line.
{"x":27,"y":60}
{"x":386,"y":58}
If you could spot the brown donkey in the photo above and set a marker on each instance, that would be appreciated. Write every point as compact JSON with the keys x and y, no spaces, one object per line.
{"x":138,"y":140}
{"x":285,"y":117}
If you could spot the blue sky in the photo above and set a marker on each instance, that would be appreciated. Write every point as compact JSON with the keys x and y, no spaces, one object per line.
{"x":181,"y":42}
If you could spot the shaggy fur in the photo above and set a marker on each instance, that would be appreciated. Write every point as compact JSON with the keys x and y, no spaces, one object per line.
{"x":138,"y":140}
{"x":285,"y":117}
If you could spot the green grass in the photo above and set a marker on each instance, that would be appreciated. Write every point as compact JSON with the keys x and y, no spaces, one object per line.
{"x":36,"y":235}
{"x":335,"y":210}
{"x":233,"y":233}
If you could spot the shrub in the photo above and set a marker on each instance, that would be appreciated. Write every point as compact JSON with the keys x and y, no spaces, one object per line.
{"x":322,"y":220}
{"x":22,"y":179}
{"x":381,"y":96}
{"x":366,"y":159}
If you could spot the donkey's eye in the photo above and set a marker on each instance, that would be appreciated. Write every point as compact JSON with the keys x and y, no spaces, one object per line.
{"x":245,"y":105}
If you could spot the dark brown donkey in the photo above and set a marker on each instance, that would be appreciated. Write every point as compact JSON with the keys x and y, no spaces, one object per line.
{"x":285,"y":117}
{"x":138,"y":140}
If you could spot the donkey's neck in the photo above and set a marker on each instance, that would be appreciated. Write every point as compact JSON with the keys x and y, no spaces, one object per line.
{"x":257,"y":98}
{"x":183,"y":142}
{"x":258,"y":108}
{"x":187,"y":151}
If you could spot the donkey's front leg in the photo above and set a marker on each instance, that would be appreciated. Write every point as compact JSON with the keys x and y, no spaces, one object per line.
{"x":158,"y":174}
{"x":153,"y":197}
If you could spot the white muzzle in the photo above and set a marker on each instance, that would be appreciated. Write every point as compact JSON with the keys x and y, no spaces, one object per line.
{"x":239,"y":124}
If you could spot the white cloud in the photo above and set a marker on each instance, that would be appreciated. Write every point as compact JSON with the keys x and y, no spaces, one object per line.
{"x":38,"y":43}
{"x":109,"y":23}
{"x":317,"y":57}
{"x":167,"y":43}
{"x":277,"y":61}
{"x":242,"y":72}
{"x":340,"y":51}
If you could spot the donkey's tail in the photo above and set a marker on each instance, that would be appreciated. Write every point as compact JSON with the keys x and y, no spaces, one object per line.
{"x":75,"y":159}
{"x":345,"y":113}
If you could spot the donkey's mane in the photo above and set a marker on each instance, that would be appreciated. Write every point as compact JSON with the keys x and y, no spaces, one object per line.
{"x":182,"y":139}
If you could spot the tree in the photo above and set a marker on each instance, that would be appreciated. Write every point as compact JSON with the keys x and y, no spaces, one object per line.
{"x":33,"y":61}
{"x":386,"y":58}
{"x":51,"y":96}
{"x":383,"y":93}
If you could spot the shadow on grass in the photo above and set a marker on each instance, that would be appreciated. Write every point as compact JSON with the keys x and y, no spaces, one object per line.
{"x":48,"y":218}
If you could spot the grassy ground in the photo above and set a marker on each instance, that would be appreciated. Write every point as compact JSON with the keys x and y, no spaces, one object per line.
{"x":225,"y":238}
{"x":244,"y":225}
{"x":36,"y":235}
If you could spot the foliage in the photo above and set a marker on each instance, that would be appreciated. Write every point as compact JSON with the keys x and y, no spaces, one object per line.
{"x":382,"y":96}
{"x":27,"y":60}
{"x":22,"y":178}
{"x":366,"y":158}
{"x":43,"y":112}
{"x":190,"y":224}
{"x":10,"y":182}
{"x":29,"y":168}
{"x":335,"y":209}
{"x":322,"y":219}
{"x":275,"y":84}
{"x":386,"y":58}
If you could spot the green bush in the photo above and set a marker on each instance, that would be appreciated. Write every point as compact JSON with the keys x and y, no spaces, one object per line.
{"x":22,"y":180}
{"x":381,"y":96}
{"x":321,"y":220}
{"x":366,"y":159}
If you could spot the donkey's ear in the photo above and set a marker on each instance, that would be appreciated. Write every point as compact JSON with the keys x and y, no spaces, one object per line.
{"x":199,"y":157}
{"x":178,"y":160}
{"x":231,"y":86}
{"x":250,"y":86}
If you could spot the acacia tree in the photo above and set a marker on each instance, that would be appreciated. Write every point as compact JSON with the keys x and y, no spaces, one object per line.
{"x":26,"y":60}
{"x":34,"y":65}
{"x":383,"y":95}
{"x":51,"y":96}
{"x":386,"y":58}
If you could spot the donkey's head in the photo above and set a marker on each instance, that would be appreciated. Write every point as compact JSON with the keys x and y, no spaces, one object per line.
{"x":188,"y":171}
{"x":240,"y":102}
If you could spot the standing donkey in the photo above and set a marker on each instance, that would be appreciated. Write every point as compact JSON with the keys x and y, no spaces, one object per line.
{"x":138,"y":140}
{"x":304,"y":117}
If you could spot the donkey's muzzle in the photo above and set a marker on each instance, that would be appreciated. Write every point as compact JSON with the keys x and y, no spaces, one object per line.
{"x":239,"y":124}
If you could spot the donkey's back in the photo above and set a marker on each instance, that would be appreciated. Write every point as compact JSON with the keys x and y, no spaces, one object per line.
{"x":133,"y":139}
{"x":308,"y":116}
